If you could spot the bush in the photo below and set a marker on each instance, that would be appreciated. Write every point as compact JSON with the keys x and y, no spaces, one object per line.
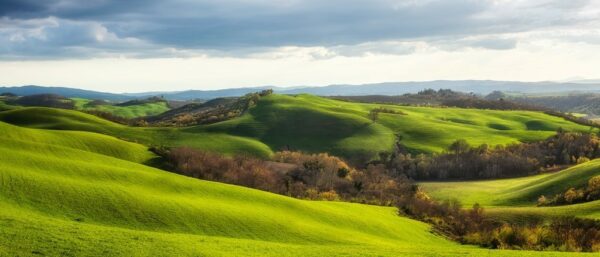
{"x":472,"y":227}
{"x":572,"y":195}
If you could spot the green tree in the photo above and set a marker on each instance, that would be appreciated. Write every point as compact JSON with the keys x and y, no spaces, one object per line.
{"x":459,"y":146}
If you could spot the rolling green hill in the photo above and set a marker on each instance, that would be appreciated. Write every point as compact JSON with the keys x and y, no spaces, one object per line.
{"x":316,"y":124}
{"x":69,"y":193}
{"x":128,"y":112}
{"x":5,"y":107}
{"x":58,"y":119}
{"x":517,"y":196}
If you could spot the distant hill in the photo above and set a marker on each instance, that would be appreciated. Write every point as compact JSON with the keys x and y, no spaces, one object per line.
{"x":64,"y":91}
{"x":468,"y":86}
{"x":125,"y":110}
{"x":203,"y":94}
{"x":587,"y":104}
{"x":315,"y":124}
{"x":481,"y":87}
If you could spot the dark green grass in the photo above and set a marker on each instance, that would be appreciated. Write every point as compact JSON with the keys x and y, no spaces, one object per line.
{"x":128,"y":112}
{"x":6,"y":107}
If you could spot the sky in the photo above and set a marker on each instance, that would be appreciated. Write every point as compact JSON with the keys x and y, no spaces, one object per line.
{"x":165,"y":45}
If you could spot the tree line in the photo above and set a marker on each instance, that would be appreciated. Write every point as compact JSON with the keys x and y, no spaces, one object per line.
{"x":307,"y":176}
{"x":462,"y":161}
{"x":473,"y":226}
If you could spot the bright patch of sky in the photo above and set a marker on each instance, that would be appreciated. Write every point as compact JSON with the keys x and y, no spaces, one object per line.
{"x":134,"y":46}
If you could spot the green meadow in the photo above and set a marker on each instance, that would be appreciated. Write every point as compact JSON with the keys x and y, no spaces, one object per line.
{"x":516,"y":197}
{"x":312,"y":123}
{"x":316,"y":124}
{"x":128,"y":112}
{"x":58,"y":119}
{"x":66,"y":193}
{"x":73,"y":184}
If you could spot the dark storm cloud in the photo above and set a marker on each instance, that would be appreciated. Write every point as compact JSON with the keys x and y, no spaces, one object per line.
{"x":56,"y":27}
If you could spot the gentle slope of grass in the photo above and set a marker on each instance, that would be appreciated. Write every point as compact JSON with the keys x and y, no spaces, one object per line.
{"x":65,"y":194}
{"x":312,"y":123}
{"x":58,"y":119}
{"x":316,"y":124}
{"x":518,"y":196}
{"x":128,"y":112}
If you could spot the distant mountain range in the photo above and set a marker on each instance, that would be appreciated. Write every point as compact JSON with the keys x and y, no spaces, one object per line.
{"x":64,"y":91}
{"x":481,"y":87}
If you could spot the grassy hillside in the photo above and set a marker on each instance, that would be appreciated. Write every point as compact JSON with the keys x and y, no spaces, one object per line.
{"x":58,"y":119}
{"x":316,"y":124}
{"x":4,"y":106}
{"x":129,"y":112}
{"x":76,"y":194}
{"x":517,"y":196}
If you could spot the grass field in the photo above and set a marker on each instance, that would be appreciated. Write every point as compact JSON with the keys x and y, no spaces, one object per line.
{"x":69,"y":193}
{"x":4,"y":106}
{"x":129,"y":112}
{"x":316,"y":124}
{"x":516,"y":197}
{"x":312,"y":123}
{"x":58,"y":119}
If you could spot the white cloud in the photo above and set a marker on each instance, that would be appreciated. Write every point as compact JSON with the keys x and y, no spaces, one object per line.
{"x":52,"y":37}
{"x":530,"y":61}
{"x":158,"y":45}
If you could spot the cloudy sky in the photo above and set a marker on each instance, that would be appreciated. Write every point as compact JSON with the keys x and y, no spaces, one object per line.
{"x":149,"y":45}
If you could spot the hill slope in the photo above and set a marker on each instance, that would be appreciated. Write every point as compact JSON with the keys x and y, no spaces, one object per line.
{"x":312,"y":123}
{"x":74,"y":198}
{"x":316,"y":124}
{"x":129,"y":111}
{"x":517,"y":196}
{"x":57,"y":119}
{"x":64,"y":91}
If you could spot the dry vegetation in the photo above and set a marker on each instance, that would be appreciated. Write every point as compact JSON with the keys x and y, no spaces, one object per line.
{"x":462,"y":161}
{"x":325,"y":177}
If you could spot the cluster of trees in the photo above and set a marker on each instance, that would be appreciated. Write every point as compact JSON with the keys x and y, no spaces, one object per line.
{"x":319,"y":173}
{"x":572,"y":195}
{"x":462,"y":161}
{"x":427,"y":97}
{"x":153,"y":99}
{"x":472,"y":226}
{"x":239,"y":170}
{"x":308,"y":176}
